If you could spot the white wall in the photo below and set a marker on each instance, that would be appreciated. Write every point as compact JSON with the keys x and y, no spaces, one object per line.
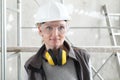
{"x":85,"y":13}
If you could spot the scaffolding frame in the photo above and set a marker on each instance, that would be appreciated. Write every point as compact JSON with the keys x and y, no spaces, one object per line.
{"x":111,"y":33}
{"x":3,"y":40}
{"x":107,"y":49}
{"x":113,"y":42}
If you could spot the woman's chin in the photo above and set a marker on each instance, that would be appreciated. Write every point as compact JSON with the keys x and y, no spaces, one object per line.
{"x":55,"y":47}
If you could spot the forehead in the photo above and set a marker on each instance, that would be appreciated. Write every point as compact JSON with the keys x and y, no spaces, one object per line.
{"x":54,"y":23}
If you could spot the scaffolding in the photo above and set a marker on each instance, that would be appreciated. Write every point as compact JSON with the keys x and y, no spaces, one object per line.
{"x":3,"y":40}
{"x":112,"y":34}
{"x":4,"y":49}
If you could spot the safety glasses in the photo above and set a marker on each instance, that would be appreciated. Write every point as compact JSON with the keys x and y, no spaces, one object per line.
{"x":50,"y":29}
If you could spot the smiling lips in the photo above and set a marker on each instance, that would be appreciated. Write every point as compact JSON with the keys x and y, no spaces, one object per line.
{"x":55,"y":39}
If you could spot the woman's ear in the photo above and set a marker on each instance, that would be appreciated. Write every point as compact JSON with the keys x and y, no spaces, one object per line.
{"x":39,"y":29}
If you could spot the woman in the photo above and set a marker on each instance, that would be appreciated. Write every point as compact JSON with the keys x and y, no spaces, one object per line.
{"x":56,"y":59}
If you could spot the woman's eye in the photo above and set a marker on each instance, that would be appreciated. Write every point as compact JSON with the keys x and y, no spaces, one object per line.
{"x":61,"y":28}
{"x":48,"y":28}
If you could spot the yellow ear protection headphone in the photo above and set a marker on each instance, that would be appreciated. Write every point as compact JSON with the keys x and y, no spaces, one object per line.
{"x":52,"y":59}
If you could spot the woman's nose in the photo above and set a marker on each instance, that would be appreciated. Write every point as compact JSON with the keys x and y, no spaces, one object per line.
{"x":55,"y":32}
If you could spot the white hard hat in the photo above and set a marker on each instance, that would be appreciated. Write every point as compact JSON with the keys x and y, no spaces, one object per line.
{"x":52,"y":11}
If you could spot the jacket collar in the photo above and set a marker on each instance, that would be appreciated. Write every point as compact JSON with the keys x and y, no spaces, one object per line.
{"x":36,"y":61}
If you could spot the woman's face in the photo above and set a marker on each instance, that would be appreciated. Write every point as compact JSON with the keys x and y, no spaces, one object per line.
{"x":53,"y":33}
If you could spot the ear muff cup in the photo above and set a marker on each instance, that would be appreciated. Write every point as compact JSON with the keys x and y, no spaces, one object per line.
{"x":59,"y":59}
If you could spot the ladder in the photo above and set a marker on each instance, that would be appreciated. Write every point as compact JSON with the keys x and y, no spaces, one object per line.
{"x":113,"y":37}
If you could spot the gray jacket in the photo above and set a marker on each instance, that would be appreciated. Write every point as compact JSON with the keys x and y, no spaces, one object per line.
{"x":80,"y":57}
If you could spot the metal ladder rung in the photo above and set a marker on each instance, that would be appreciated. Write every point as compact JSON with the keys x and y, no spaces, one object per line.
{"x":114,"y":14}
{"x":116,"y":34}
{"x":14,"y":10}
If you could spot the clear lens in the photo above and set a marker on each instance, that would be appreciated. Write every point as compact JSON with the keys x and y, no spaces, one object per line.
{"x":50,"y":29}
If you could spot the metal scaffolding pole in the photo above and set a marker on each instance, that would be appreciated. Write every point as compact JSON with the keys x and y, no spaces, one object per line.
{"x":111,"y":33}
{"x":62,"y":1}
{"x":19,"y":37}
{"x":95,"y":71}
{"x":19,"y":23}
{"x":3,"y":41}
{"x":85,"y":27}
{"x":112,"y":37}
{"x":37,"y":3}
{"x":106,"y":49}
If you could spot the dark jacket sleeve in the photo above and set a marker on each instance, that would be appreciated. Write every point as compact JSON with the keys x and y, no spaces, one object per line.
{"x":87,"y":62}
{"x":32,"y":73}
{"x":83,"y":58}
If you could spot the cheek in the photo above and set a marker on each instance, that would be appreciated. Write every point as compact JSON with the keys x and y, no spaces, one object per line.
{"x":63,"y":36}
{"x":45,"y":37}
